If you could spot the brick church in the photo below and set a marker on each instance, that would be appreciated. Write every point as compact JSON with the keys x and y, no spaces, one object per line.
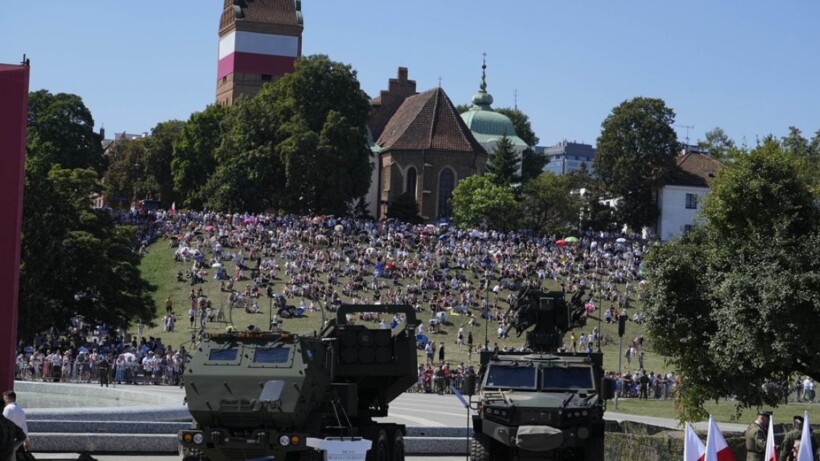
{"x":422,"y":147}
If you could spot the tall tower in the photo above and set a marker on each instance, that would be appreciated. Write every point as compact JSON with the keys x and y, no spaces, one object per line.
{"x":259,"y":41}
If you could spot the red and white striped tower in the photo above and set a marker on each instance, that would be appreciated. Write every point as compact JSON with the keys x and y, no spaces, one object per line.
{"x":259,"y":41}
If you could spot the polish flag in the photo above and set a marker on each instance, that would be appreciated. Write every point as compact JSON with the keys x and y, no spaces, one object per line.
{"x":806,"y":450}
{"x":173,"y":209}
{"x":771,"y":452}
{"x":716,"y":447}
{"x":693,"y":449}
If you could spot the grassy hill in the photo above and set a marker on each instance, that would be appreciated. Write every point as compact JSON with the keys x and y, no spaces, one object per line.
{"x":159,"y":268}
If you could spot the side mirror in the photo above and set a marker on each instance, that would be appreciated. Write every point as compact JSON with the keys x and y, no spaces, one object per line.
{"x":607,"y":388}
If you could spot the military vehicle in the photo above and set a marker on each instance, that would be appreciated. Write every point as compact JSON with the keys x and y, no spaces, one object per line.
{"x":262,"y":394}
{"x":541,"y":404}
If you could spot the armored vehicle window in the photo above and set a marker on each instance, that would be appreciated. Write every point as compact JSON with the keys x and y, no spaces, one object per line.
{"x":223,"y":355}
{"x":567,"y":378}
{"x":271,"y":355}
{"x":510,"y":377}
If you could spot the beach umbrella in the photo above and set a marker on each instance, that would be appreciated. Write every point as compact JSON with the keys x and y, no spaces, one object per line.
{"x":561,"y":242}
{"x":620,"y":240}
{"x":571,"y":239}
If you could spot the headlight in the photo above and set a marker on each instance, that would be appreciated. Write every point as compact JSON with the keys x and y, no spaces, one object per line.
{"x":198,"y":438}
{"x":284,"y":440}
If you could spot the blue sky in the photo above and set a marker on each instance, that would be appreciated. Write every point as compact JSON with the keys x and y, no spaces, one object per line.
{"x":751,"y":67}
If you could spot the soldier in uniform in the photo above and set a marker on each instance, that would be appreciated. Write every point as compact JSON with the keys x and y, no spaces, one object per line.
{"x":756,"y":437}
{"x":793,"y":437}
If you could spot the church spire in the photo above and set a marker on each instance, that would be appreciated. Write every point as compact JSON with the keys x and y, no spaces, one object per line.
{"x":482,"y":100}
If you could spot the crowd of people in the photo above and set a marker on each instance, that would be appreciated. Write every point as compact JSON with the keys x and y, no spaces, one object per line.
{"x":306,"y":264}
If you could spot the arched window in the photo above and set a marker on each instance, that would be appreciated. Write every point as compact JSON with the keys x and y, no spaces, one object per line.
{"x":410,"y":183}
{"x":446,"y":184}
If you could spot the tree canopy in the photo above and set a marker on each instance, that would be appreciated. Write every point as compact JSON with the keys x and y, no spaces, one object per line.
{"x":74,"y":261}
{"x":549,"y":206}
{"x":636,"y":152}
{"x":734,"y":303}
{"x":479,"y":200}
{"x":299,"y":145}
{"x":504,"y":163}
{"x":717,"y":144}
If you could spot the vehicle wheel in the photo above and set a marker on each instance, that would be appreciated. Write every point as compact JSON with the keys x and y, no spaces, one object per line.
{"x":480,"y":449}
{"x":380,"y":450}
{"x":594,"y":451}
{"x":397,"y":445}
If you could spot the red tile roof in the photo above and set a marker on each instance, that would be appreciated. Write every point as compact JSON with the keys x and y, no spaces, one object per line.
{"x":695,"y":170}
{"x":428,"y":121}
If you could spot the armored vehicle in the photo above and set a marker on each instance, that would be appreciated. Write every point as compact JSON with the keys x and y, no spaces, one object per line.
{"x":262,"y":395}
{"x":540,"y":404}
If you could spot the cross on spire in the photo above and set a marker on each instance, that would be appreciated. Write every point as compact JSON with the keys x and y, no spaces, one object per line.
{"x":483,"y":85}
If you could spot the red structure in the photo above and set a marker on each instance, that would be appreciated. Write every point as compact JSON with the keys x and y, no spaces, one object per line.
{"x":13,"y":111}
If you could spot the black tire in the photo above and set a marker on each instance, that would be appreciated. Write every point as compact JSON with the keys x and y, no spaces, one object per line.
{"x":594,"y":451}
{"x":397,"y":445}
{"x":480,"y":449}
{"x":380,"y":450}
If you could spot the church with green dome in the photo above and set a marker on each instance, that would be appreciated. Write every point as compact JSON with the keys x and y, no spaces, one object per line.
{"x":487,"y":125}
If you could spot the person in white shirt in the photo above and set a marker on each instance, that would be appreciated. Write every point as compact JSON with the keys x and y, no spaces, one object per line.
{"x":15,"y":414}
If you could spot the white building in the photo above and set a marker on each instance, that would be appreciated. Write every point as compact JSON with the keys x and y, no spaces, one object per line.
{"x":681,"y":199}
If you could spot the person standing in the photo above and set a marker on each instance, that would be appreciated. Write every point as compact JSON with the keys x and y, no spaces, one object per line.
{"x":792,"y":439}
{"x":756,"y":437}
{"x":11,"y":438}
{"x":104,"y":368}
{"x":15,"y":414}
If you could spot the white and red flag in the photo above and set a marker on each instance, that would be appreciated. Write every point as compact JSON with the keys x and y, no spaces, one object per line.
{"x":173,"y":209}
{"x":693,"y":448}
{"x":805,"y":453}
{"x":771,"y":451}
{"x":716,"y":447}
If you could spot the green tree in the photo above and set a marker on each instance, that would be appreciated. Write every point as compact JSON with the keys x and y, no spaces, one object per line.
{"x":532,"y":163}
{"x":636,"y":152}
{"x":320,"y":114}
{"x":733,"y":304}
{"x":718,"y":144}
{"x":549,"y":206}
{"x":405,"y":209}
{"x":159,"y":153}
{"x":814,"y":146}
{"x":123,"y":177}
{"x":504,"y":163}
{"x":74,"y":260}
{"x":521,"y":123}
{"x":61,"y":129}
{"x":479,"y":200}
{"x":193,"y":154}
{"x":249,"y":175}
{"x":795,"y":144}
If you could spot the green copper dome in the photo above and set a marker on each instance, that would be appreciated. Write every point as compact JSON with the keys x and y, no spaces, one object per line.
{"x":487,"y":125}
